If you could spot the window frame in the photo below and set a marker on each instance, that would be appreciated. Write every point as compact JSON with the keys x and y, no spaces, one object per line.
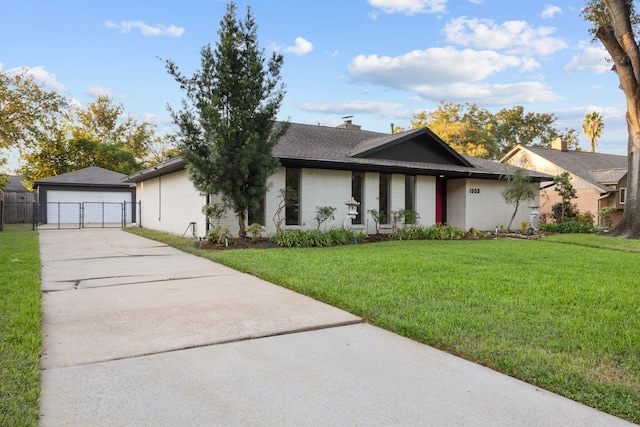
{"x":622,"y":195}
{"x":359,"y":219}
{"x":292,"y":208}
{"x":384,"y":198}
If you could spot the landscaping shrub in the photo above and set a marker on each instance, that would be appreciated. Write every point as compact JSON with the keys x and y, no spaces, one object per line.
{"x":313,"y":238}
{"x":569,"y":227}
{"x":605,"y":215}
{"x":434,"y":232}
{"x":255,"y":230}
{"x":217,"y":234}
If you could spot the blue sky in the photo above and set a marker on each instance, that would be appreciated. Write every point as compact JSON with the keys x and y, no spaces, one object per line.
{"x":380,"y":61}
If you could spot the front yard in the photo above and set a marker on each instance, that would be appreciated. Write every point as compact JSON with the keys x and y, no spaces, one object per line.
{"x":554,"y":312}
{"x":562,"y":312}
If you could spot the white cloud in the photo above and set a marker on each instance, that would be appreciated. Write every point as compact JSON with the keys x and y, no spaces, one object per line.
{"x":410,"y":7}
{"x":94,"y":91}
{"x":590,"y":59}
{"x":40,"y":75}
{"x":512,"y":36}
{"x":145,"y":29}
{"x":301,"y":47}
{"x":610,"y":113}
{"x":491,"y":94}
{"x":476,"y":1}
{"x":357,"y":106}
{"x":430,"y":67}
{"x":550,"y":11}
{"x":440,"y":73}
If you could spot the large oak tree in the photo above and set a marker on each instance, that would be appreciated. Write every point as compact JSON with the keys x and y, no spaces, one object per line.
{"x":98,"y":135}
{"x":27,"y":109}
{"x":614,"y":22}
{"x":475,"y":131}
{"x":227,"y":121}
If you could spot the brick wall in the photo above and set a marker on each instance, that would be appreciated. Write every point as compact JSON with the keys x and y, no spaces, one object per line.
{"x":169,"y":203}
{"x":478,"y":203}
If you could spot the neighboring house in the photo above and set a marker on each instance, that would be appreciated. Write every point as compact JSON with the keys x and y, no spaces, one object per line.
{"x":14,"y":185}
{"x":87,"y":196}
{"x":600,"y":180}
{"x":327,"y":166}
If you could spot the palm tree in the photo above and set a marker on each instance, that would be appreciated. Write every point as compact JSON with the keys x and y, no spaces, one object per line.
{"x":592,"y":127}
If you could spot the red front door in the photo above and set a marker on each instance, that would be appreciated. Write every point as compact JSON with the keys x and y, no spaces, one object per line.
{"x":440,"y":194}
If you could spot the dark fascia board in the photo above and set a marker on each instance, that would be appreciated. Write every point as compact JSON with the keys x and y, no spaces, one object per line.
{"x":402,"y":138}
{"x":79,"y":185}
{"x":178,"y":164}
{"x":358,"y":167}
{"x":170,"y":166}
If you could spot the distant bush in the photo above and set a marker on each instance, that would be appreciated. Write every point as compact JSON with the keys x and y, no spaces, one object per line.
{"x":605,"y":215}
{"x":570,"y":227}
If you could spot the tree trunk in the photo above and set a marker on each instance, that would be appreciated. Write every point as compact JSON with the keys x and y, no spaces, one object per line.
{"x":242,"y":226}
{"x":515,"y":211}
{"x":629,"y":225}
{"x":617,"y":37}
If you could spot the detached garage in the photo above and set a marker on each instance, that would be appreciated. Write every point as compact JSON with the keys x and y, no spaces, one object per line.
{"x":88,"y":197}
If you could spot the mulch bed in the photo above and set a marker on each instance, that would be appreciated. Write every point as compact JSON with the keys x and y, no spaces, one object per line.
{"x":266,"y":243}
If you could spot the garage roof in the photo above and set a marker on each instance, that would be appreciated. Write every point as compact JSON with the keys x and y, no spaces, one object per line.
{"x":92,"y":176}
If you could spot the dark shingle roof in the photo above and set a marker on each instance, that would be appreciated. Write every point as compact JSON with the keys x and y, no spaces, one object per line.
{"x":336,"y":148}
{"x":14,"y":185}
{"x":609,"y":176}
{"x":585,"y":165}
{"x":503,"y":169}
{"x":93,"y":175}
{"x":321,"y":142}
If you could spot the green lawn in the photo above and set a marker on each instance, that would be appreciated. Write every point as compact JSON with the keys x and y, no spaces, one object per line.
{"x":20,"y":331}
{"x":562,"y":312}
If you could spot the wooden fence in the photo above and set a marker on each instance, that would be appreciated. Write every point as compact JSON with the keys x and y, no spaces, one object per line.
{"x":17,"y":208}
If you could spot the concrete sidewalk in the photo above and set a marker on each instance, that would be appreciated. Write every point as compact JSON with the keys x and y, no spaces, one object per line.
{"x":139,"y":334}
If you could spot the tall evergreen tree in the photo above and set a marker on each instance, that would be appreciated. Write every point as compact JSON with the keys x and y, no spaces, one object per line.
{"x":227,"y":121}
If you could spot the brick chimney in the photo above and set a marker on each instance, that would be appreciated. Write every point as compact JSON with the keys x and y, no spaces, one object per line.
{"x":559,"y":143}
{"x":348,"y":124}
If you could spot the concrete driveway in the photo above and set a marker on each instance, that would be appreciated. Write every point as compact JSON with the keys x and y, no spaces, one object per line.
{"x":139,"y":334}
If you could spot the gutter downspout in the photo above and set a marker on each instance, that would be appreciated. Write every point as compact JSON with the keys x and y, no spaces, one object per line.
{"x":606,"y":195}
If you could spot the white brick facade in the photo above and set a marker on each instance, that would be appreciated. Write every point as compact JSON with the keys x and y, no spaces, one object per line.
{"x":478,"y":203}
{"x":170,"y":203}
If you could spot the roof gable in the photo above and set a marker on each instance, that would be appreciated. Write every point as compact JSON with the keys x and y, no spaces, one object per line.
{"x":420,"y":145}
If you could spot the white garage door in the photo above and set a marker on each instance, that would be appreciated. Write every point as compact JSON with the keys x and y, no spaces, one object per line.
{"x":64,"y":207}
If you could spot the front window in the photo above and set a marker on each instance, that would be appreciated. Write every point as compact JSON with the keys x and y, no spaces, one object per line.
{"x":383,"y":197}
{"x":293,"y":190}
{"x":623,"y":195}
{"x":410,"y":192}
{"x":357,"y":185}
{"x":410,"y":197}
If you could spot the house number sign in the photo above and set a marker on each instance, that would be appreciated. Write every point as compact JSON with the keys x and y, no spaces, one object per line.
{"x":474,"y":190}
